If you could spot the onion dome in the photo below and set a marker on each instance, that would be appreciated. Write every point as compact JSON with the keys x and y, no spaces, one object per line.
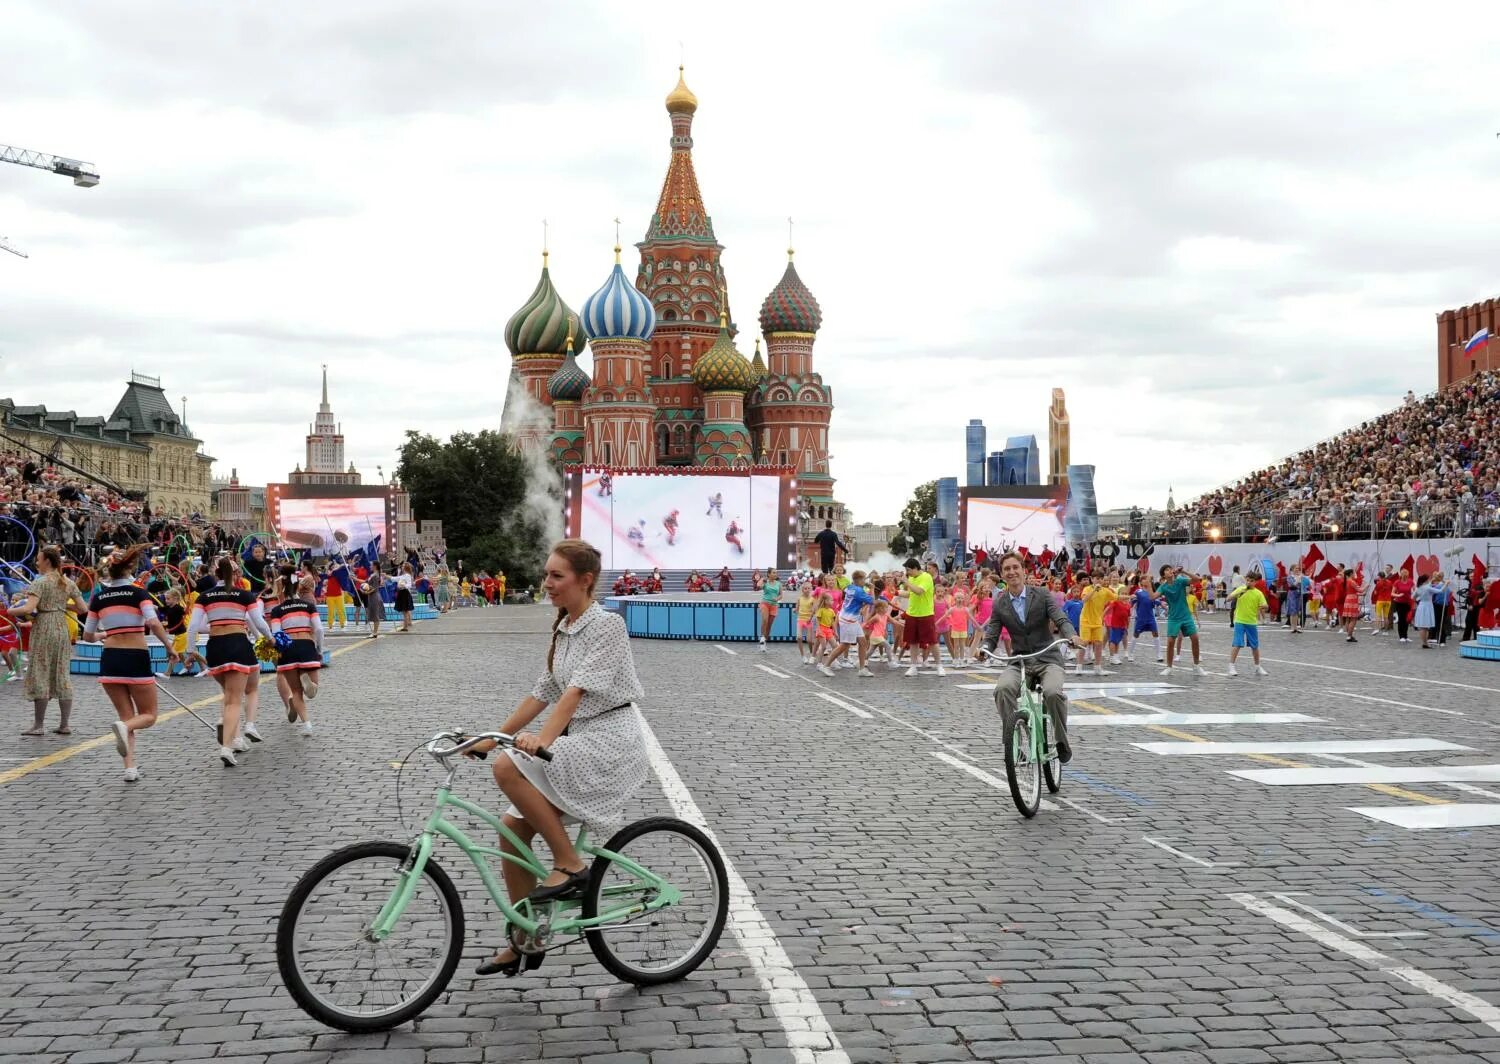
{"x":618,"y":311}
{"x":569,"y":382}
{"x":721,"y":368}
{"x":681,"y":99}
{"x":790,"y":308}
{"x":540,"y":327}
{"x":758,"y":364}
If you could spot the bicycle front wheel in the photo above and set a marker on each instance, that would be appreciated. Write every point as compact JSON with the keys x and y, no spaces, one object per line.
{"x":672,"y":941}
{"x":331,"y":963}
{"x":1021,"y":768}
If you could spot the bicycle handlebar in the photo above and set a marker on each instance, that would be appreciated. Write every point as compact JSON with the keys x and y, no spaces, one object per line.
{"x":464,"y":744}
{"x":1022,"y":657}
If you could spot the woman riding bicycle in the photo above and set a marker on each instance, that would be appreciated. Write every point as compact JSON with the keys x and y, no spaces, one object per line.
{"x":599,"y":753}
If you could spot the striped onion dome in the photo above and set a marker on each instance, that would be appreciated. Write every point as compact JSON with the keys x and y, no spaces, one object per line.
{"x":540,"y":327}
{"x":790,"y":307}
{"x":618,"y":311}
{"x":569,"y":381}
{"x":758,"y":364}
{"x":722,"y":368}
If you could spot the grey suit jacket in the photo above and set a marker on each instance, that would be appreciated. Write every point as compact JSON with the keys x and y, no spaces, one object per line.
{"x":1032,"y":634}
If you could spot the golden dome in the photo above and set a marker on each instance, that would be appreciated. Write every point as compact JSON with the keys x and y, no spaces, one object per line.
{"x":681,"y":99}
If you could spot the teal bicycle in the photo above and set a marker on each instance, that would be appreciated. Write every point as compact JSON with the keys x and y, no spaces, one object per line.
{"x":372,"y":934}
{"x":1030,"y":752}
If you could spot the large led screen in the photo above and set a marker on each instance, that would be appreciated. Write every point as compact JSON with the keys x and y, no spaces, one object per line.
{"x":1006,"y":522}
{"x":333,"y":525}
{"x":644,"y":521}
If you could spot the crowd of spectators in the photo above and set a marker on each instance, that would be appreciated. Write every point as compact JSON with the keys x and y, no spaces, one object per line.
{"x":47,"y":504}
{"x":1434,"y":460}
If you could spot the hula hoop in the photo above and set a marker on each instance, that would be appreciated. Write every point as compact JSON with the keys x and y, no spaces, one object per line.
{"x":269,"y":542}
{"x":142,"y":580}
{"x":30,"y":536}
{"x":80,"y":569}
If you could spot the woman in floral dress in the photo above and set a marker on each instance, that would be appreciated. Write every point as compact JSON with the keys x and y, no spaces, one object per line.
{"x":51,"y":649}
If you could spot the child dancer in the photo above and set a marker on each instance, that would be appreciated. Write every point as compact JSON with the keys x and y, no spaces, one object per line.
{"x":1145,"y":614}
{"x":876,"y":629}
{"x":825,"y":617}
{"x":958,"y":627}
{"x":297,"y":671}
{"x":1073,"y":607}
{"x":1117,"y":621}
{"x":806,"y":604}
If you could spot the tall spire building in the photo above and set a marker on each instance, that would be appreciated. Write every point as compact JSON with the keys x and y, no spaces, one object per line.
{"x":325,"y":449}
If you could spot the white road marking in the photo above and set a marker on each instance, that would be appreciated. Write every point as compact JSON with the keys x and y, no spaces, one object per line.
{"x":1467,"y":788}
{"x":1477,"y":1007}
{"x":1187,"y":856}
{"x":1432,"y":817}
{"x":1124,"y":720}
{"x":1303,"y":746}
{"x":1363,"y":672}
{"x":811,"y":1038}
{"x":1086,"y":811}
{"x":825,"y":696}
{"x":1393,"y":702}
{"x":1318,"y":777}
{"x":725,"y":649}
{"x":1349,"y":928}
{"x":773,"y":672}
{"x":981,"y":775}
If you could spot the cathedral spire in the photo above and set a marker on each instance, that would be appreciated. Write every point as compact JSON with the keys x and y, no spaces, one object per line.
{"x":679,"y":209}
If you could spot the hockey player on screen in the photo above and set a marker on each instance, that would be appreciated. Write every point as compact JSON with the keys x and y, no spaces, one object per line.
{"x":732,"y":535}
{"x":715,"y":503}
{"x":606,"y":485}
{"x":670,"y":524}
{"x":637,"y":535}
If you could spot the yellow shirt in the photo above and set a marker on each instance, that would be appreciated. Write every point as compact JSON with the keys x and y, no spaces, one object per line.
{"x":1192,"y":603}
{"x":1094,"y":601}
{"x":805,"y":607}
{"x":825,"y":617}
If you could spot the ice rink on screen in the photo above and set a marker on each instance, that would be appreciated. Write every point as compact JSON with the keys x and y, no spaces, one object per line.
{"x":753,"y":503}
{"x":1031,"y":523}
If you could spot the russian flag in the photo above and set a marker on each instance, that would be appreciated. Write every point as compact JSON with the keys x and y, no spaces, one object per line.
{"x":1476,"y":341}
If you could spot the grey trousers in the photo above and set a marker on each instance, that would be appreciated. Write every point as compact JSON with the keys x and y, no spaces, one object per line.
{"x":1008,"y":692}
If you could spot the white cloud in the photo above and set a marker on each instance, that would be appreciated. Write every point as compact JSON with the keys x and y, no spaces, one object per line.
{"x":1224,"y":231}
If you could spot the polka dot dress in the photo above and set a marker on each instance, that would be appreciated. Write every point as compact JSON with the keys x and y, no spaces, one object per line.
{"x":602,"y":761}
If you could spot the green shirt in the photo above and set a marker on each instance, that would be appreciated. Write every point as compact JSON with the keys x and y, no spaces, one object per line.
{"x":1248,"y":602}
{"x":770,"y":591}
{"x":920,"y":596}
{"x":1175,"y":593}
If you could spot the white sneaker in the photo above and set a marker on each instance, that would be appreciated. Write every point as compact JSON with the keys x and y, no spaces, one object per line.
{"x":864,"y":672}
{"x":762,"y":646}
{"x":893,"y":664}
{"x":845,"y":663}
{"x":240,"y":744}
{"x":1233,"y":671}
{"x":911,"y":671}
{"x":1129,"y":656}
{"x":306,"y":729}
{"x":226,"y":755}
{"x":252,"y":732}
{"x":122,"y":737}
{"x":941,"y":671}
{"x":132,"y":774}
{"x":1166,"y":671}
{"x":1115,"y":660}
{"x":163,"y":676}
{"x":1077,"y":670}
{"x":825,"y":670}
{"x":1200,"y":670}
{"x":1260,"y":671}
{"x":1098,"y":670}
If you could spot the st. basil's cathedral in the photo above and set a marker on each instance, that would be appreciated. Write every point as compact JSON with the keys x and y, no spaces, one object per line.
{"x":669,"y":387}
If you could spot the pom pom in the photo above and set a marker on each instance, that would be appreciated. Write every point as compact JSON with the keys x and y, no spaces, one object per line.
{"x":282,"y":641}
{"x":265,"y":650}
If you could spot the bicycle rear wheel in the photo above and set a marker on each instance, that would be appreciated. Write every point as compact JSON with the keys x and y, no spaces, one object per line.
{"x":1052,"y":766}
{"x":1021,"y":769}
{"x":670,"y":942}
{"x":331,"y":965}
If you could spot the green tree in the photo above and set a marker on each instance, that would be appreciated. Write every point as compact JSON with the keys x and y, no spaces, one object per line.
{"x":478,"y":485}
{"x":920,"y":509}
{"x":898,"y":545}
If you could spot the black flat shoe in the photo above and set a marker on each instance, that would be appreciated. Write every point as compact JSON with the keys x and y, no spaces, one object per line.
{"x":1064,"y":753}
{"x":511,"y":968}
{"x":567,"y":890}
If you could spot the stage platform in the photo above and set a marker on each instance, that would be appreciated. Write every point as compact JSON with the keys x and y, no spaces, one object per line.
{"x":422,"y":612}
{"x":1485,"y":648}
{"x":729,"y":617}
{"x":86,"y":657}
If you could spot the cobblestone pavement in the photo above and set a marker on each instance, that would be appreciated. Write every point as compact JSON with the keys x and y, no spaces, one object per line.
{"x":1169,"y":912}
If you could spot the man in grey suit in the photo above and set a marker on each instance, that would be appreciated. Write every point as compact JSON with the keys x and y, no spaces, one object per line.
{"x":1029,"y":614}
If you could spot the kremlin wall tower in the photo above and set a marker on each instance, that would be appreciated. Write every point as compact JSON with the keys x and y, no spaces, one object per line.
{"x":670,"y":388}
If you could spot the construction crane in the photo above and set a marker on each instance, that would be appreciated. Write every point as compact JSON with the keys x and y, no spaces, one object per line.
{"x":12,"y":249}
{"x":83,"y":174}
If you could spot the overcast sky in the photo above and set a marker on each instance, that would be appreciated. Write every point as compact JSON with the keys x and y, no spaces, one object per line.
{"x":1223,"y":228}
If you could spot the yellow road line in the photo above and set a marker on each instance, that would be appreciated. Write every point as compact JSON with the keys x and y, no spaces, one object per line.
{"x":1383,"y":788}
{"x":10,"y":775}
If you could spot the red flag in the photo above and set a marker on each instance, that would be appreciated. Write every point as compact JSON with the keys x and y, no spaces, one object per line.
{"x":1480,"y":569}
{"x":1046,"y":558}
{"x":1409,"y":566}
{"x":1312,"y":557}
{"x":1328,"y":572}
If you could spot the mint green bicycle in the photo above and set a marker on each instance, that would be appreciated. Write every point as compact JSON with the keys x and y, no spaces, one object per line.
{"x":1030,"y":753}
{"x":372,"y":934}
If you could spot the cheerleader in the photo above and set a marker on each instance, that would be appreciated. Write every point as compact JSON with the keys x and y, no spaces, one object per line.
{"x":404,"y":605}
{"x":120,"y":614}
{"x":297,"y":671}
{"x":227,"y":610}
